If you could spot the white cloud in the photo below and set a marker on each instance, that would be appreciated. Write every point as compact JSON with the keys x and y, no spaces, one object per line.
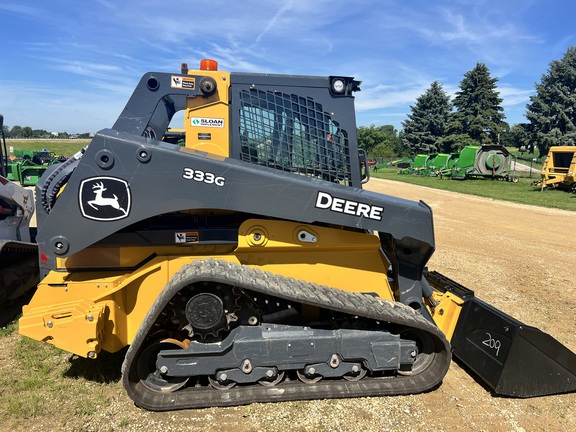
{"x":513,"y":96}
{"x":285,"y":7}
{"x":386,"y":97}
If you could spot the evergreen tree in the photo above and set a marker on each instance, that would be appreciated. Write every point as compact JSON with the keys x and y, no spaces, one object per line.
{"x":426,"y":125}
{"x":552,"y":110}
{"x":478,"y":118}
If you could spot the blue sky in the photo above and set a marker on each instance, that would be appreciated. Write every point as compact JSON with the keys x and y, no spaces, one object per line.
{"x":69,"y":65}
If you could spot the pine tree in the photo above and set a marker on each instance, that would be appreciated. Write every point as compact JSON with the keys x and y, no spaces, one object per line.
{"x":425,"y":127}
{"x":479,"y":117}
{"x":552,"y":110}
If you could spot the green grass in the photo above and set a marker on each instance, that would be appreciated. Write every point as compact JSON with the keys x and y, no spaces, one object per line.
{"x":59,"y":147}
{"x":43,"y":380}
{"x":9,"y":329}
{"x":521,"y":192}
{"x":526,"y":158}
{"x":26,"y":388}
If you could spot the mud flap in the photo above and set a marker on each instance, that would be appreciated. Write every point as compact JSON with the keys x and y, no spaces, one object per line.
{"x":512,"y":358}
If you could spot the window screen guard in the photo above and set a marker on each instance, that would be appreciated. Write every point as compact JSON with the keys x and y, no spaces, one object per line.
{"x":292,"y":133}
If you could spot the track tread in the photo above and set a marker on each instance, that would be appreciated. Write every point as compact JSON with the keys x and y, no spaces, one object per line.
{"x":289,"y":289}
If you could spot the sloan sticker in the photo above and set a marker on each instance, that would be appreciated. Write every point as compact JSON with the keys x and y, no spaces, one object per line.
{"x":207,"y":122}
{"x":104,"y":198}
{"x":340,"y":205}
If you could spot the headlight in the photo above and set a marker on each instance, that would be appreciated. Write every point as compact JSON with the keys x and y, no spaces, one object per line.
{"x":338,"y":85}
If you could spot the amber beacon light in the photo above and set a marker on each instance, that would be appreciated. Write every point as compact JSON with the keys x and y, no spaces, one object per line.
{"x":208,"y":65}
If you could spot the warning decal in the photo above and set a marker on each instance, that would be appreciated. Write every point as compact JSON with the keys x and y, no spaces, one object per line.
{"x":183,"y":82}
{"x":186,"y":237}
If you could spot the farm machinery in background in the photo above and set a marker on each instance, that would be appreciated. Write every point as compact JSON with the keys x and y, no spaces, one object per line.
{"x":249,"y":265}
{"x":559,"y":169}
{"x":405,"y":162}
{"x":491,"y":161}
{"x":19,"y":266}
{"x":433,"y":164}
{"x":27,"y":166}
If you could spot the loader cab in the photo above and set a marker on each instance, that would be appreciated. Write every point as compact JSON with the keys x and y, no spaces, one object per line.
{"x":299,"y":124}
{"x":290,"y":133}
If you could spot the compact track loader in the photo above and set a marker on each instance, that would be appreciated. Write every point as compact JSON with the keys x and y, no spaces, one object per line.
{"x":19,"y":272}
{"x":248,"y":265}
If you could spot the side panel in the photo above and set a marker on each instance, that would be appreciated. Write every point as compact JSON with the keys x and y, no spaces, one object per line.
{"x":123,"y":179}
{"x":84,"y":311}
{"x":207,"y":118}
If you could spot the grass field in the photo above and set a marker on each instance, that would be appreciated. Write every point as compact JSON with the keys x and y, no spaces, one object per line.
{"x":521,"y":192}
{"x":60,"y":147}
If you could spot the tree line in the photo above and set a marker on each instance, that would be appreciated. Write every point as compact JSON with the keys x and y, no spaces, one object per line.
{"x":437,"y":124}
{"x":26,"y":132}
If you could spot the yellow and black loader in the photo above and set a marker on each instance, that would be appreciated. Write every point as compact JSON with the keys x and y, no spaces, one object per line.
{"x":248,"y":265}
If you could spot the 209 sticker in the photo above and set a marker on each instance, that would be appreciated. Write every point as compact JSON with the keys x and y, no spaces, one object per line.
{"x":203,"y":177}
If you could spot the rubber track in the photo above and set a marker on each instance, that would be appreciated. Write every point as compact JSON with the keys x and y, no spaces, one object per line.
{"x":292,"y":290}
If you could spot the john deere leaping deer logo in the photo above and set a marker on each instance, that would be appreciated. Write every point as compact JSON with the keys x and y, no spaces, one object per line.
{"x":101,"y":201}
{"x":104,"y":198}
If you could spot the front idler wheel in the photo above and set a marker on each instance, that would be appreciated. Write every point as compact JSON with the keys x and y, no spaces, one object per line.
{"x":150,"y":376}
{"x":425,"y":355}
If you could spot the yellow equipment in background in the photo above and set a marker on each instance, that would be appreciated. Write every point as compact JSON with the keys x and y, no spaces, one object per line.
{"x":559,"y":168}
